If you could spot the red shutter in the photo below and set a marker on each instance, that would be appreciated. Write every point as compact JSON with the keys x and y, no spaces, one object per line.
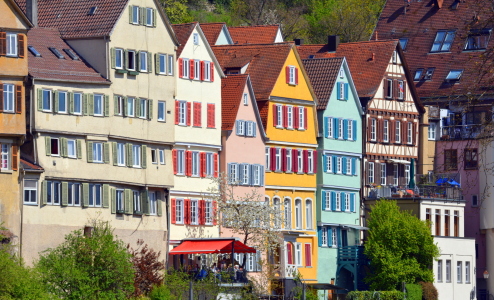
{"x":275,"y":115}
{"x":15,"y":154}
{"x":391,"y":130}
{"x":215,"y":157}
{"x":414,"y":133}
{"x":180,"y":68}
{"x":213,"y":114}
{"x":199,"y":113}
{"x":202,"y":212}
{"x":287,"y":74}
{"x":212,"y":71}
{"x":1,"y":97}
{"x":285,"y":116}
{"x":18,"y":99}
{"x":188,"y":113}
{"x":306,"y":160}
{"x":202,"y":157}
{"x":215,"y":212}
{"x":283,"y":159}
{"x":314,"y":158}
{"x":3,"y":43}
{"x":194,"y":113}
{"x":404,"y":128}
{"x":295,"y":160}
{"x":174,"y":155}
{"x":308,"y":256}
{"x":305,"y":117}
{"x":192,"y":68}
{"x":174,"y":211}
{"x":177,"y":112}
{"x":273,"y":158}
{"x":369,"y":129}
{"x":296,"y":75}
{"x":188,"y":163}
{"x":296,"y":119}
{"x":289,"y":253}
{"x":187,"y":211}
{"x":202,"y":70}
{"x":20,"y":44}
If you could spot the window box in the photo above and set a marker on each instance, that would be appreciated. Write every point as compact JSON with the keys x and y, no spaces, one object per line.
{"x":121,"y":71}
{"x":138,"y":213}
{"x":120,"y":211}
{"x":133,"y":73}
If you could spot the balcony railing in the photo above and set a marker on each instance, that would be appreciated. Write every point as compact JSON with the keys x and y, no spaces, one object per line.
{"x":460,"y":132}
{"x":453,"y":193}
{"x":291,"y":271}
{"x":351,"y":254}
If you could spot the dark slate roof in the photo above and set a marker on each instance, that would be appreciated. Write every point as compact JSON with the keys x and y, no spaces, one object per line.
{"x":212,"y":31}
{"x":258,"y":34}
{"x":322,"y":73}
{"x":420,"y":24}
{"x":183,"y":32}
{"x":232,"y":90}
{"x":48,"y":66}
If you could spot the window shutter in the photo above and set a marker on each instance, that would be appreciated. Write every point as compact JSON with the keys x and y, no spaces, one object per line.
{"x":192,"y":69}
{"x":334,"y":165}
{"x":305,"y":155}
{"x":71,"y":102}
{"x":336,"y":124}
{"x":215,"y":161}
{"x":1,"y":97}
{"x":154,"y":17}
{"x":3,"y":43}
{"x":294,"y":160}
{"x":130,"y":14}
{"x":354,"y":166}
{"x":128,"y":206}
{"x":150,"y":62}
{"x":90,"y":104}
{"x":202,"y":157}
{"x":177,"y":112}
{"x":261,"y":178}
{"x":414,"y":133}
{"x":144,"y":157}
{"x":273,"y":158}
{"x":175,"y":162}
{"x":215,"y":213}
{"x":379,"y":130}
{"x":354,"y":129}
{"x":107,"y":106}
{"x":174,"y":211}
{"x":240,"y":174}
{"x":142,"y":15}
{"x":305,"y":118}
{"x":115,"y":105}
{"x":55,"y":101}
{"x":145,"y":202}
{"x":129,"y":155}
{"x":343,"y":165}
{"x":237,"y":127}
{"x":150,"y":109}
{"x":325,"y":127}
{"x":275,"y":115}
{"x":48,"y":145}
{"x":314,"y":159}
{"x":106,"y":200}
{"x":40,"y":99}
{"x":84,"y":104}
{"x":287,"y":74}
{"x":404,"y":128}
{"x":188,"y":113}
{"x":346,"y":91}
{"x":330,"y":236}
{"x":188,"y":163}
{"x":89,"y":150}
{"x":159,"y":204}
{"x":63,"y":147}
{"x":333,"y":201}
{"x":106,"y":153}
{"x":85,"y":194}
{"x":325,"y":162}
{"x":201,"y":211}
{"x":308,"y":255}
{"x":186,"y":211}
{"x":283,"y":159}
{"x":323,"y":200}
{"x":180,"y":68}
{"x":285,"y":116}
{"x":369,"y":129}
{"x":212,"y":71}
{"x":15,"y":157}
{"x":213,"y":115}
{"x":113,"y":195}
{"x":352,"y":202}
{"x":296,"y":118}
{"x":338,"y":91}
{"x":112,"y":57}
{"x":338,"y":236}
{"x":157,"y":63}
{"x":137,"y":102}
{"x":18,"y":99}
{"x":114,"y":153}
{"x":201,"y":70}
{"x":79,"y":148}
{"x":296,"y":75}
{"x":345,"y":129}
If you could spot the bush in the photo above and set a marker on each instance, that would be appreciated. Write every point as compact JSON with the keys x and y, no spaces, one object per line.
{"x":377,"y":295}
{"x":429,"y":291}
{"x":160,"y":292}
{"x":414,"y":291}
{"x":148,"y":268}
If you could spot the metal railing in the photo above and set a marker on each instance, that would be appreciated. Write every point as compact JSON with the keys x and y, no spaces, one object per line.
{"x":420,"y":191}
{"x":460,"y":132}
{"x":350,"y":253}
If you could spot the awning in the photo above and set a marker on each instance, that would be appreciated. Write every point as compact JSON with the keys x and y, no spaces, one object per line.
{"x":211,"y":246}
{"x":399,"y":161}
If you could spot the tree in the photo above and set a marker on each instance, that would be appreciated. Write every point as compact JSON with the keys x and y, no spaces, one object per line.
{"x":400,"y":247}
{"x":91,"y":266}
{"x":148,"y":268}
{"x":176,"y":11}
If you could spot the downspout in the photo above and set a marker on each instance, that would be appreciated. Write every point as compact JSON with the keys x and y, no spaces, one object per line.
{"x":31,"y":122}
{"x":22,"y":210}
{"x":167,"y":208}
{"x":107,"y":75}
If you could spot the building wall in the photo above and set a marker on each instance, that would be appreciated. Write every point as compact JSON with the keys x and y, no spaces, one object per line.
{"x":427,"y":147}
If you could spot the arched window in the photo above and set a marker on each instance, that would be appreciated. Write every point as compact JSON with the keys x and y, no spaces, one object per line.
{"x":287,"y":213}
{"x":277,"y":207}
{"x":308,"y":214}
{"x":298,"y":214}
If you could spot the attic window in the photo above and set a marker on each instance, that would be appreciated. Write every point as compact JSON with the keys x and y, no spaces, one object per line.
{"x":34,"y":51}
{"x":92,"y":10}
{"x":428,"y":74}
{"x":56,"y":52}
{"x":478,"y":39}
{"x":418,"y":74}
{"x":403,"y":43}
{"x":71,"y":54}
{"x":454,"y":75}
{"x":196,"y":39}
{"x":443,"y":41}
{"x":312,"y":56}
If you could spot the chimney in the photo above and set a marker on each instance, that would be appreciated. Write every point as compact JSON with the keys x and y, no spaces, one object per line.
{"x":438,"y":3}
{"x":333,"y":42}
{"x":299,"y":42}
{"x":376,"y":35}
{"x":32,"y":11}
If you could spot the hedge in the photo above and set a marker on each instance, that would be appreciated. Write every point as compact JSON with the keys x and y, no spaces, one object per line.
{"x":377,"y":295}
{"x":414,"y":291}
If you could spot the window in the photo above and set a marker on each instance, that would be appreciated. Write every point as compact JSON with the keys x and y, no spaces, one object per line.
{"x":338,"y":201}
{"x":324,"y":236}
{"x":427,"y":214}
{"x":329,"y":160}
{"x":407,"y":173}
{"x":131,"y":60}
{"x":119,"y":200}
{"x":98,"y":105}
{"x":454,"y":75}
{"x":289,"y":116}
{"x":403,"y":43}
{"x":149,"y":17}
{"x":46,"y":95}
{"x":119,"y":58}
{"x":182,"y":113}
{"x":179,"y":211}
{"x":471,"y":159}
{"x":196,"y":38}
{"x":394,"y":58}
{"x":154,"y":157}
{"x":98,"y":152}
{"x":95,"y":195}
{"x":287,"y":214}
{"x":289,"y":160}
{"x":418,"y":74}
{"x":257,"y":175}
{"x":143,"y":61}
{"x":448,"y":270}
{"x":246,"y":99}
{"x":467,"y":272}
{"x":245,"y":171}
{"x":195,"y":163}
{"x":429,"y":73}
{"x":210,"y":166}
{"x":197,"y":69}
{"x":383,"y":174}
{"x":161,"y":154}
{"x":298,"y":254}
{"x":389,"y":88}
{"x":55,"y":146}
{"x":329,"y":125}
{"x":136,"y":156}
{"x":459,"y":272}
{"x":438,"y":222}
{"x":341,"y":128}
{"x":194,"y":218}
{"x":327,"y":204}
{"x":443,"y":41}
{"x":446,"y":223}
{"x":170,"y":64}
{"x":310,"y":162}
{"x":385,"y":131}
{"x":278,"y":159}
{"x":456,"y":224}
{"x":341,"y":90}
{"x":397,"y":131}
{"x":373,"y":130}
{"x":478,"y":39}
{"x":401,"y":89}
{"x":279,"y":116}
{"x":350,"y":130}
{"x":30,"y":191}
{"x":339,"y":165}
{"x":74,"y":194}
{"x":71,"y":53}
{"x":300,"y":159}
{"x":301,"y":118}
{"x":135,"y":14}
{"x":450,"y":159}
{"x":334,"y":237}
{"x":439,"y":271}
{"x":431,"y":132}
{"x":207,"y":71}
{"x":121,"y":154}
{"x":347,"y":202}
{"x":71,"y":149}
{"x":410,"y":133}
{"x":240,"y":127}
{"x":268,"y":158}
{"x":161,"y":111}
{"x":233,"y":174}
{"x":208,"y":213}
{"x":161,"y":63}
{"x":185,"y":68}
{"x":370,"y":172}
{"x":308,"y":255}
{"x":292,"y":75}
{"x":395,"y":174}
{"x":308,"y":214}
{"x":143,"y":108}
{"x":11,"y":44}
{"x":77,"y":103}
{"x":34,"y":51}
{"x":136,"y":197}
{"x":8,"y":97}
{"x":475,"y":200}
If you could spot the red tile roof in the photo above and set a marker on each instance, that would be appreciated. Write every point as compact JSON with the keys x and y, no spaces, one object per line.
{"x":232,"y":89}
{"x":420,"y":25}
{"x":28,"y":165}
{"x":48,"y":66}
{"x":259,"y":34}
{"x":183,"y":32}
{"x":322,"y":73}
{"x":212,"y":31}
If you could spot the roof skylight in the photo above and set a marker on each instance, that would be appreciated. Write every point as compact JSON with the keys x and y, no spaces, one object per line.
{"x":56,"y":52}
{"x":71,"y":54}
{"x":33,"y":51}
{"x":403,"y":43}
{"x":92,"y":10}
{"x":454,"y":75}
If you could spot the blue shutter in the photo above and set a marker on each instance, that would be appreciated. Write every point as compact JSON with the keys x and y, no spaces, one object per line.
{"x":346,"y":91}
{"x":345,"y":129}
{"x":342,"y":201}
{"x":319,"y":235}
{"x":325,"y":162}
{"x":354,"y":166}
{"x":335,"y":128}
{"x":254,"y":124}
{"x":262,"y":176}
{"x":334,"y":163}
{"x":240,"y":174}
{"x":252,"y":169}
{"x":343,"y":165}
{"x":333,"y":201}
{"x":354,"y":127}
{"x":338,"y":90}
{"x":338,"y":236}
{"x":323,"y":197}
{"x":229,"y":172}
{"x":330,"y":236}
{"x":352,"y":202}
{"x":326,"y":129}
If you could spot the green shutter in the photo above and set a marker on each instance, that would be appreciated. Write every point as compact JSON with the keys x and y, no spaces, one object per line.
{"x":112,"y":55}
{"x":113,"y":194}
{"x":44,"y":191}
{"x":91,"y":104}
{"x":159,"y":203}
{"x":124,"y":100}
{"x":138,"y":61}
{"x":114,"y":153}
{"x":154,"y":17}
{"x":150,"y":109}
{"x":156,"y":63}
{"x":115,"y":105}
{"x":64,"y":147}
{"x":107,"y":106}
{"x":40,"y":99}
{"x":55,"y":96}
{"x":125,"y":59}
{"x":85,"y":194}
{"x":106,"y":189}
{"x":142,"y":14}
{"x":65,"y":193}
{"x":84,"y":104}
{"x":89,"y":150}
{"x":71,"y":102}
{"x":150,"y":62}
{"x":129,"y":154}
{"x":145,"y":202}
{"x":137,"y":103}
{"x":48,"y":145}
{"x":128,"y":202}
{"x":79,"y":149}
{"x":144,"y":163}
{"x":130,"y":14}
{"x":106,"y":153}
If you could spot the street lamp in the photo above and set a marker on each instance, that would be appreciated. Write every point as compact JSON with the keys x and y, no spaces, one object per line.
{"x":486,"y":274}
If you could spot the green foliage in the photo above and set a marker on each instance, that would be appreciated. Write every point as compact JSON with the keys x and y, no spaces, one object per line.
{"x":414,"y":291}
{"x":375,"y":295}
{"x":148,"y":268}
{"x":400,"y":247}
{"x":429,"y":291}
{"x":160,"y":292}
{"x":177,"y":11}
{"x":88,"y":267}
{"x":18,"y":281}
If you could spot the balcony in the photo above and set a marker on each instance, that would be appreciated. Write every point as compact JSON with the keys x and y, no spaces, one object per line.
{"x":461,"y":132}
{"x":351,"y":254}
{"x":291,"y":271}
{"x":434,"y":112}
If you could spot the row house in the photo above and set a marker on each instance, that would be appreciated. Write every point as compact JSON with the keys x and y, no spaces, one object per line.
{"x":13,"y":63}
{"x":220,"y":34}
{"x":287,"y":108}
{"x":100,"y":121}
{"x":339,"y":175}
{"x":197,"y":139}
{"x":447,"y":63}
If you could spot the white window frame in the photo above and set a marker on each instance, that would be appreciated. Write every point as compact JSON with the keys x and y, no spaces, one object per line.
{"x":182,"y":113}
{"x":431,"y":131}
{"x":329,"y":163}
{"x":298,"y":253}
{"x":130,"y":106}
{"x":385,"y":131}
{"x":410,"y":133}
{"x":348,"y":166}
{"x":119,"y":200}
{"x":407,"y":173}
{"x":395,"y":174}
{"x":97,"y":152}
{"x":324,"y":236}
{"x":197,"y":69}
{"x":144,"y":108}
{"x":459,"y":272}
{"x":171,"y":61}
{"x":11,"y":44}
{"x":334,"y":237}
{"x":28,"y":197}
{"x":240,"y":127}
{"x":208,"y":212}
{"x":328,"y":200}
{"x":154,"y":156}
{"x":73,"y":147}
{"x":440,"y":270}
{"x":162,"y":111}
{"x":278,"y":159}
{"x":287,"y":210}
{"x":339,"y":165}
{"x":194,"y":212}
{"x":131,"y":53}
{"x":289,"y":161}
{"x":136,"y":156}
{"x":58,"y":146}
{"x":279,"y":114}
{"x":209,"y":164}
{"x":121,"y":154}
{"x":350,"y":130}
{"x":291,"y":75}
{"x":195,"y":37}
{"x":135,"y":15}
{"x":136,"y":201}
{"x":8,"y":98}
{"x":195,"y":164}
{"x":383,"y":174}
{"x":78,"y":103}
{"x":179,"y":211}
{"x":48,"y":101}
{"x":207,"y":71}
{"x":347,"y":202}
{"x":245,"y":169}
{"x":161,"y":154}
{"x":246,"y":99}
{"x":340,"y":128}
{"x":163,"y":63}
{"x":310,"y":161}
{"x":289,"y":116}
{"x":389,"y":90}
{"x":119,"y":58}
{"x":401,"y":92}
{"x":373,"y":129}
{"x":338,"y":201}
{"x":94,"y":192}
{"x":149,"y":17}
{"x":6,"y":156}
{"x":308,"y":214}
{"x":467,"y":272}
{"x":143,"y":61}
{"x":300,"y":159}
{"x":74,"y":194}
{"x":330,"y":127}
{"x":301,"y":118}
{"x":256,"y":175}
{"x":185,"y":68}
{"x":398,"y":131}
{"x":98,"y":107}
{"x":268,"y":158}
{"x":341,"y":96}
{"x":370,"y":172}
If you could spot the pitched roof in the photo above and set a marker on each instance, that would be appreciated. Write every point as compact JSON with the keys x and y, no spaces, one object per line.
{"x":48,"y":66}
{"x":322,"y":73}
{"x":212,"y":31}
{"x":21,"y":9}
{"x":420,"y":25}
{"x":232,"y":89}
{"x":183,"y":31}
{"x":28,"y":165}
{"x":258,"y":34}
{"x":367,"y":72}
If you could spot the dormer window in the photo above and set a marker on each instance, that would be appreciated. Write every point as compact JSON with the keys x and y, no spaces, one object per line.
{"x":478,"y":39}
{"x":403,"y":43}
{"x":443,"y":41}
{"x":454,"y":75}
{"x":428,"y":74}
{"x":418,"y":74}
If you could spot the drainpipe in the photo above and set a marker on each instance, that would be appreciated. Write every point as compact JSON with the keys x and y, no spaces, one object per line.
{"x":167,"y":208}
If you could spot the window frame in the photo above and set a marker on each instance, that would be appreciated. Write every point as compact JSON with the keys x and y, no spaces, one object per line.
{"x":143,"y":67}
{"x":442,"y":42}
{"x":373,"y":128}
{"x":195,"y":168}
{"x":97,"y":152}
{"x":131,"y":63}
{"x":308,"y":214}
{"x":161,"y":156}
{"x":448,"y":271}
{"x":121,"y":157}
{"x":431,"y":131}
{"x":301,"y":118}
{"x":449,"y":155}
{"x":298,"y":214}
{"x":143,"y":105}
{"x":179,"y":211}
{"x":149,"y":20}
{"x":29,"y":190}
{"x":136,"y":156}
{"x":48,"y":101}
{"x":135,"y":15}
{"x":93,"y":195}
{"x":11,"y":45}
{"x":99,"y":104}
{"x":182,"y":113}
{"x":410,"y":133}
{"x":289,"y":116}
{"x":74,"y":143}
{"x":397,"y":131}
{"x":194,"y":212}
{"x":171,"y":61}
{"x":162,"y":111}
{"x":440,"y":270}
{"x":52,"y":140}
{"x":386,"y":131}
{"x":119,"y":55}
{"x":185,"y":68}
{"x":291,"y":75}
{"x":471,"y":159}
{"x":8,"y":98}
{"x":120,"y":201}
{"x":370,"y":172}
{"x":197,"y":69}
{"x":459,"y":272}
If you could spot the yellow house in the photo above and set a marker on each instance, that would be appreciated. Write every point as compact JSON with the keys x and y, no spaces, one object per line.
{"x":287,"y":107}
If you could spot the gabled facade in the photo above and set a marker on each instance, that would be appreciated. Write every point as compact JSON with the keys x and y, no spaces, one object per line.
{"x":339,"y":175}
{"x":198,"y":137}
{"x":13,"y":63}
{"x":256,"y":34}
{"x":287,"y":106}
{"x":217,"y":33}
